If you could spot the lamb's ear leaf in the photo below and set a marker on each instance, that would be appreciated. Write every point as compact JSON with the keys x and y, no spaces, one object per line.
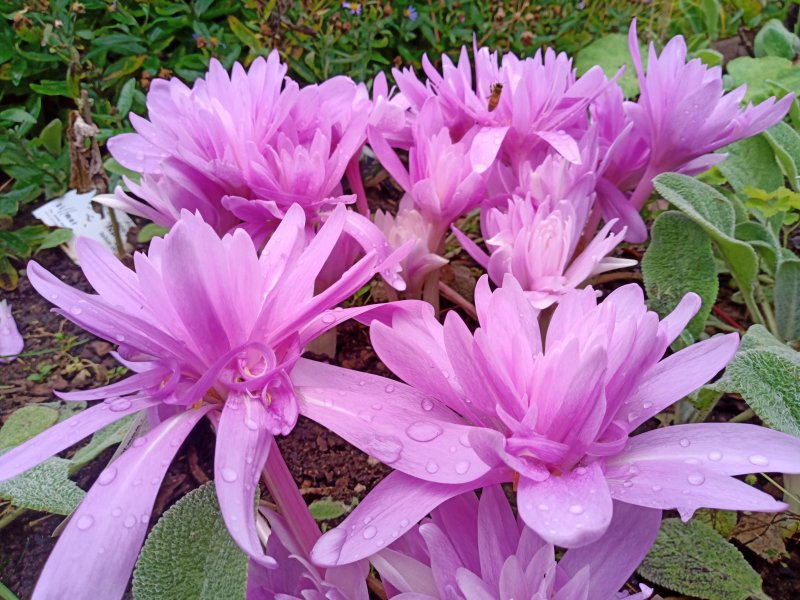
{"x":693,"y":559}
{"x":190,"y":554}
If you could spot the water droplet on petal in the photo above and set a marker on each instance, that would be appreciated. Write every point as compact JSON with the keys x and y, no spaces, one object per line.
{"x":404,"y":523}
{"x":580,"y":471}
{"x":369,"y":532}
{"x":759,"y":460}
{"x":696,"y":478}
{"x":684,"y":443}
{"x":427,"y":405}
{"x":463,"y":439}
{"x":543,"y":507}
{"x":657,"y":488}
{"x":84,"y":522}
{"x":229,"y":475}
{"x":377,"y":406}
{"x":328,"y":318}
{"x":431,"y":467}
{"x":389,"y":388}
{"x":251,"y":424}
{"x":423,"y":431}
{"x":107,"y":476}
{"x":120,"y":405}
{"x":628,"y":484}
{"x":576,"y":509}
{"x":647,"y":405}
{"x":385,"y":448}
{"x":632,"y":416}
{"x":362,"y":383}
{"x":366,"y":416}
{"x":119,"y":337}
{"x":75,"y":310}
{"x":129,"y":521}
{"x":715,"y":455}
{"x":462,"y":467}
{"x":116,"y":512}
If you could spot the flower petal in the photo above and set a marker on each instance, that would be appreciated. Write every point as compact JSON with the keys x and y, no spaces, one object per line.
{"x":394,"y":506}
{"x":243,"y":443}
{"x":570,"y":510}
{"x":678,"y":375}
{"x":393,"y":422}
{"x":95,"y":555}
{"x":63,"y":435}
{"x":616,"y":555}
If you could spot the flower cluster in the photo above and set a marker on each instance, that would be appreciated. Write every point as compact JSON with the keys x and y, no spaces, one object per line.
{"x":543,"y":401}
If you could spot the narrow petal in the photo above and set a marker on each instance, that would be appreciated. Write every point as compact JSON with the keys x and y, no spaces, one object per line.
{"x":394,"y":506}
{"x":95,"y":555}
{"x":614,"y":557}
{"x":678,"y":375}
{"x":63,"y":435}
{"x":243,"y":442}
{"x":407,"y":575}
{"x":674,"y":484}
{"x":391,"y":421}
{"x":485,"y":146}
{"x":570,"y":510}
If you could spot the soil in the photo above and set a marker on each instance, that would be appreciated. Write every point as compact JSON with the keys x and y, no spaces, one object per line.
{"x":324,"y":466}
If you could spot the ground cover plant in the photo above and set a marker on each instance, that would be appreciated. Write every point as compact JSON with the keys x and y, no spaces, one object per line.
{"x":543,"y":313}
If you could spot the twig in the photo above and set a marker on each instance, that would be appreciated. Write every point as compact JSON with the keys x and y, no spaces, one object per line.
{"x":744,"y":416}
{"x":376,"y":587}
{"x":616,"y":276}
{"x":194,"y":468}
{"x":457,"y":299}
{"x":726,"y":318}
{"x":10,"y":517}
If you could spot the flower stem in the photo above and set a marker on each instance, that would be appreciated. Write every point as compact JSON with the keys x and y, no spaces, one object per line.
{"x":284,"y":492}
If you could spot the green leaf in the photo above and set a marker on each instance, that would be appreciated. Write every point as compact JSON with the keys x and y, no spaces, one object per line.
{"x":55,"y":238}
{"x":244,"y":34}
{"x":324,"y":510}
{"x":722,"y":520}
{"x":758,"y":74}
{"x":751,"y":163}
{"x":773,"y":39}
{"x":712,"y":211}
{"x":710,"y":58}
{"x":611,"y":52}
{"x":51,"y":88}
{"x":693,"y":559}
{"x":785,"y":141}
{"x":149,"y":231}
{"x":761,"y":238}
{"x":766,"y":373}
{"x":126,"y":98}
{"x":787,"y":299}
{"x":45,"y":487}
{"x":51,"y":136}
{"x":9,"y":278}
{"x":190,"y":555}
{"x":26,"y":422}
{"x":17,"y":115}
{"x":680,"y":260}
{"x":108,"y":436}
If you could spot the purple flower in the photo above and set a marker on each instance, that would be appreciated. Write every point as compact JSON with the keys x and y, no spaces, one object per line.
{"x":472,"y":548}
{"x":252,"y":135}
{"x":296,"y":578}
{"x":537,"y":245}
{"x":684,"y":114}
{"x":354,"y":8}
{"x":410,"y":13}
{"x":11,"y":342}
{"x":410,"y":226}
{"x":210,"y":328}
{"x":522,"y":105}
{"x":552,"y":412}
{"x":442,"y":182}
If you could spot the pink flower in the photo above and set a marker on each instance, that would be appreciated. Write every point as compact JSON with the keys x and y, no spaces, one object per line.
{"x":296,"y":578}
{"x":537,"y":245}
{"x":472,"y":548}
{"x":522,"y":105}
{"x":11,"y":342}
{"x":684,"y":113}
{"x":409,"y":226}
{"x":252,"y":135}
{"x":210,"y":328}
{"x":553,"y":412}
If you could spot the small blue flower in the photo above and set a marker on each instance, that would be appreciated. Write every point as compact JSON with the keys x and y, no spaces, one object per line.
{"x":354,"y":8}
{"x":411,"y":13}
